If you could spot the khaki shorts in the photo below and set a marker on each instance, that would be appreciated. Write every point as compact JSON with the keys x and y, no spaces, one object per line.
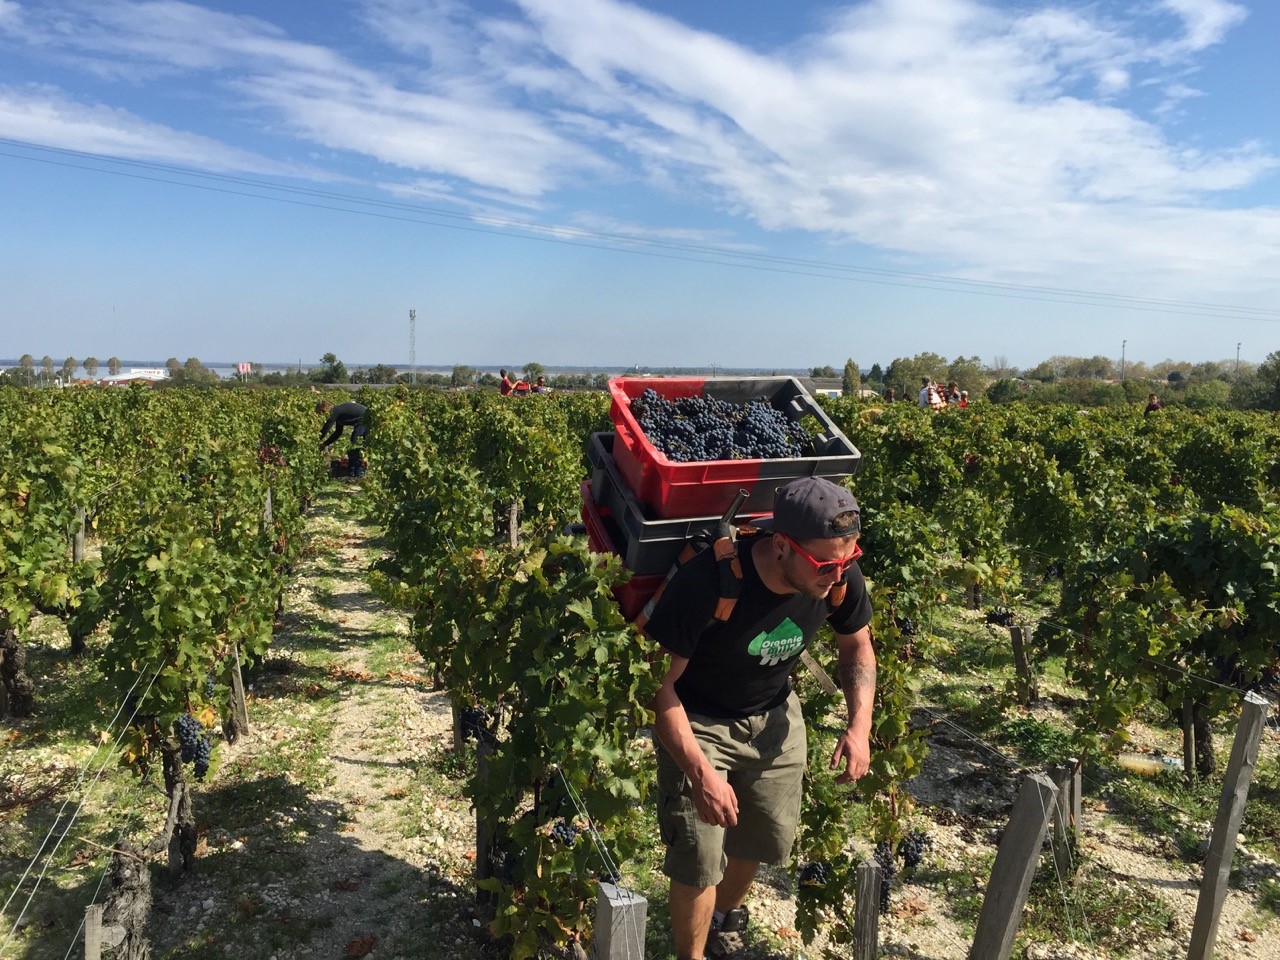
{"x":763,"y":759}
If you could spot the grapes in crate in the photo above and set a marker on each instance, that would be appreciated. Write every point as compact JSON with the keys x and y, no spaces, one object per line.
{"x":695,"y":429}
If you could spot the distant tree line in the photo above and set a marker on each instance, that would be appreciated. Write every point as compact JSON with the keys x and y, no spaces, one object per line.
{"x":1082,"y":381}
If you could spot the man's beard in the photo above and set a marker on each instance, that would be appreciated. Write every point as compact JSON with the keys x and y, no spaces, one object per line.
{"x":810,"y":590}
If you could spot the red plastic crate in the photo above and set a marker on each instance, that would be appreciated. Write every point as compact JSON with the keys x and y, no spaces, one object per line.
{"x":668,"y":489}
{"x":635,"y":593}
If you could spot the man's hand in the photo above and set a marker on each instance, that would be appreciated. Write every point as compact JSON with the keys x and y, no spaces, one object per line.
{"x":853,"y":752}
{"x":716,"y":802}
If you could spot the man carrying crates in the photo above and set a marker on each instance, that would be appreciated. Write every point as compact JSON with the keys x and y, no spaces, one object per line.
{"x":731,"y":736}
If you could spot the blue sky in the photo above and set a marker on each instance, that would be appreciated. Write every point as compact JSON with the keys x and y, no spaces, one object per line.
{"x":744,"y":183}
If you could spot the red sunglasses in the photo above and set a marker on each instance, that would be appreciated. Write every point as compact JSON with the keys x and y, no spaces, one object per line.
{"x":824,"y":568}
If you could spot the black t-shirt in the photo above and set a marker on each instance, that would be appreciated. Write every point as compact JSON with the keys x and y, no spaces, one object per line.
{"x":349,"y":414}
{"x":742,"y":668}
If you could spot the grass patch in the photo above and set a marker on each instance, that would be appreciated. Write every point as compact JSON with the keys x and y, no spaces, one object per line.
{"x":1111,"y":914}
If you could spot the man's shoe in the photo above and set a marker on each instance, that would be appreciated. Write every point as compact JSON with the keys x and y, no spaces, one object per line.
{"x":730,"y":938}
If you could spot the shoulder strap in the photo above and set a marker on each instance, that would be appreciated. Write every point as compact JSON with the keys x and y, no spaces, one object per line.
{"x":728,"y":566}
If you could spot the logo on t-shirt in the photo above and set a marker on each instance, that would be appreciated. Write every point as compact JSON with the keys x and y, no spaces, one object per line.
{"x":781,"y":643}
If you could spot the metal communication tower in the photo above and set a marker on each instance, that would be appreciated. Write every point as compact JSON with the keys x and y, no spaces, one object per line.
{"x":413,"y":344}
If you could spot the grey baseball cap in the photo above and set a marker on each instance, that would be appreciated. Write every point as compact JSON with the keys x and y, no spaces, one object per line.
{"x":806,"y":509}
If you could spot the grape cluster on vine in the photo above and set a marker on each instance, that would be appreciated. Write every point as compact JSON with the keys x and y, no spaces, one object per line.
{"x":888,"y":871}
{"x":815,"y":874}
{"x":194,"y":745}
{"x":912,"y":847}
{"x":695,"y":429}
{"x":475,"y":723}
{"x":905,"y":625}
{"x":565,"y":831}
{"x":1001,"y":617}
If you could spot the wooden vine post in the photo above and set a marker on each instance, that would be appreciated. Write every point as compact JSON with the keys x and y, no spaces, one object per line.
{"x":78,"y":645}
{"x":1222,"y":844}
{"x":1026,"y":683}
{"x":77,"y":537}
{"x":866,"y":916}
{"x":1066,"y":814}
{"x":1188,"y":740}
{"x":236,"y":723}
{"x":1013,"y":870}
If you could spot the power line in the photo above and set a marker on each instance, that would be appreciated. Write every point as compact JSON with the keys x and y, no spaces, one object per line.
{"x":643,"y":246}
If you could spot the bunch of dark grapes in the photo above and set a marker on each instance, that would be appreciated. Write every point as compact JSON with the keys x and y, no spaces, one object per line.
{"x":695,"y":429}
{"x":906,"y":625}
{"x":475,"y":722}
{"x":1000,"y":617}
{"x":203,"y":749}
{"x":566,"y":831}
{"x":815,"y":874}
{"x":1054,"y":572}
{"x":193,"y":744}
{"x":911,"y":849}
{"x":208,"y":687}
{"x":189,"y":733}
{"x":888,"y":870}
{"x":130,"y":711}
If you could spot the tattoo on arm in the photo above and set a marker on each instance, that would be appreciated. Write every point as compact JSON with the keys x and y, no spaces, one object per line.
{"x":858,"y":681}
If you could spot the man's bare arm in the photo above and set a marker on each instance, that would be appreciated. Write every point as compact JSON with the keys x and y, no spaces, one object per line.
{"x":714,"y":798}
{"x":858,"y":681}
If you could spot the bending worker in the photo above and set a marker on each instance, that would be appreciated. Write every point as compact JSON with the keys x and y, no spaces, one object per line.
{"x":349,"y":414}
{"x":731,"y":736}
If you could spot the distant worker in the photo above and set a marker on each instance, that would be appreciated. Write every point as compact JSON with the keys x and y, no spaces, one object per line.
{"x":930,"y":399}
{"x":888,"y":395}
{"x":506,"y":386}
{"x":964,"y":399}
{"x":952,"y":395}
{"x":349,"y":414}
{"x":540,"y":386}
{"x":1153,"y":403}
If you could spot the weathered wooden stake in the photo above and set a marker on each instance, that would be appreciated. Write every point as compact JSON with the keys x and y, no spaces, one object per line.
{"x":621,"y":915}
{"x":975,"y":596}
{"x":268,"y":514}
{"x":1027,"y":693}
{"x":459,"y":740}
{"x":1065,"y":818}
{"x":93,"y":932}
{"x":1188,"y":740}
{"x":513,"y":523}
{"x":485,"y":828}
{"x":1222,"y":844}
{"x":1015,"y":865}
{"x":866,"y":912}
{"x":77,"y":538}
{"x":238,"y":707}
{"x":824,"y":679}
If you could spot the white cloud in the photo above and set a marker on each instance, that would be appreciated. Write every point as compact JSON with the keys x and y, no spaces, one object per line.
{"x":1206,"y":21}
{"x":45,"y":116}
{"x":945,"y":128}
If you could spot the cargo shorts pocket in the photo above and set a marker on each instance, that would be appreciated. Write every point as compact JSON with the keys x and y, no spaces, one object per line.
{"x":675,"y":805}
